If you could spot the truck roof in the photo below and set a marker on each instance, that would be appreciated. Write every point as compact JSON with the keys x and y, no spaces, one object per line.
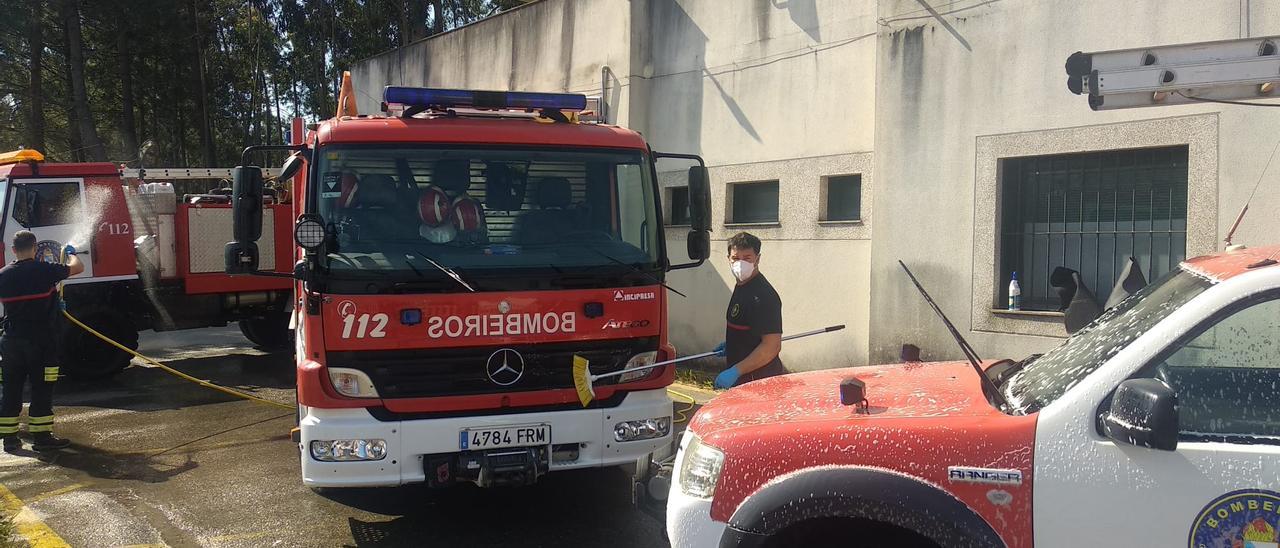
{"x":85,"y":169}
{"x":1224,"y":265}
{"x":475,"y":130}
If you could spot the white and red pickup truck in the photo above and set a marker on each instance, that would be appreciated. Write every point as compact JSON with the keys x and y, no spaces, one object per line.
{"x":1156,"y":425}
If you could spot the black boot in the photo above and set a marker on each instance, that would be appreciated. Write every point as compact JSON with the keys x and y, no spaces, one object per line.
{"x":12,"y":443}
{"x":46,"y":441}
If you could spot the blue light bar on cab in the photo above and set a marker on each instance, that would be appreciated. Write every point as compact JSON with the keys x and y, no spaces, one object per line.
{"x":449,"y":98}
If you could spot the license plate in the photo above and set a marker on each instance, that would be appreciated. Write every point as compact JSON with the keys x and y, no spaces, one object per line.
{"x":504,"y":436}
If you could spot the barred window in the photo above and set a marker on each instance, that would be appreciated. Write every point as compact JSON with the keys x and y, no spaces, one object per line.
{"x":1089,"y":212}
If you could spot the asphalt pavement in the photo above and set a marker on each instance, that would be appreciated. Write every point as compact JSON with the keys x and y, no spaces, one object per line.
{"x":158,"y":461}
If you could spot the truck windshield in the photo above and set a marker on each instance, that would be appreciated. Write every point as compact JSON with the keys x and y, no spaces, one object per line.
{"x":405,"y":214}
{"x":1045,"y":379}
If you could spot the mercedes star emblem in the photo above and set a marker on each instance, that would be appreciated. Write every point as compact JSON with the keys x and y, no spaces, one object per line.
{"x":505,"y":367}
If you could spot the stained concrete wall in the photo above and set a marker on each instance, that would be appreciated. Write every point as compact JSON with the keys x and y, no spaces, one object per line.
{"x":762,"y":89}
{"x":986,"y":81}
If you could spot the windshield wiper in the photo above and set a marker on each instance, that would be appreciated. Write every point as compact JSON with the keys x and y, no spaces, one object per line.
{"x":637,"y":270}
{"x":448,"y":271}
{"x":989,"y":388}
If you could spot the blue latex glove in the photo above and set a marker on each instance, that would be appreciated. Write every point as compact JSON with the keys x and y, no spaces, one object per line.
{"x":69,"y":250}
{"x":719,"y":350}
{"x":727,"y":378}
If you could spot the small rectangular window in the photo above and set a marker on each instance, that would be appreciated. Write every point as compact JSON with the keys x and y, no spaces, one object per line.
{"x":754,"y":202}
{"x":843,"y":198}
{"x":679,"y":200}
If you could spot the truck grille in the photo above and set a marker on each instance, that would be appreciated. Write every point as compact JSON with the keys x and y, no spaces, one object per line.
{"x":462,"y":371}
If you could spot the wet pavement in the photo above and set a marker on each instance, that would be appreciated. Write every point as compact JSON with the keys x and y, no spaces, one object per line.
{"x":158,"y":461}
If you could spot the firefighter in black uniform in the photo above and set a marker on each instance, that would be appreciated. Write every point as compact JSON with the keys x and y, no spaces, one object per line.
{"x":28,"y":290}
{"x":753,"y":321}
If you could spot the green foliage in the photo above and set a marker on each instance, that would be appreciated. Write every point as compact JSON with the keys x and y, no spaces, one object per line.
{"x":206,"y":77}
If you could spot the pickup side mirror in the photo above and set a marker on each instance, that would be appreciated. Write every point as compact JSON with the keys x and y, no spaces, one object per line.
{"x":241,"y":255}
{"x":699,"y":200}
{"x":1143,"y":412}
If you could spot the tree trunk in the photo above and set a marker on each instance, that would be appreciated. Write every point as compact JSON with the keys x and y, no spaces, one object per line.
{"x":437,"y":17}
{"x":202,"y":96}
{"x":417,"y":24}
{"x":35,"y":89}
{"x":94,"y":149}
{"x":128,"y":130}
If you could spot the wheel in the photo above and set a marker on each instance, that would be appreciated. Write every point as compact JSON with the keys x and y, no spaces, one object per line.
{"x":85,"y":356}
{"x":271,"y":332}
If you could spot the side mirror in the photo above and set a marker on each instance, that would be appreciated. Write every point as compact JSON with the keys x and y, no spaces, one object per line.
{"x":699,"y":245}
{"x":1144,"y":412}
{"x":246,"y":203}
{"x":291,"y":167}
{"x":26,"y":206}
{"x":699,"y":199}
{"x":241,"y":255}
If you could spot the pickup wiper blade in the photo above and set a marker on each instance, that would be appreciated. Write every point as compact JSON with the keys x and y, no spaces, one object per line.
{"x":448,"y":271}
{"x":988,"y":387}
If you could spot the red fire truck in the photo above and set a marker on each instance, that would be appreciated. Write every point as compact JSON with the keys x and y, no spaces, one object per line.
{"x":453,"y":256}
{"x":150,"y":261}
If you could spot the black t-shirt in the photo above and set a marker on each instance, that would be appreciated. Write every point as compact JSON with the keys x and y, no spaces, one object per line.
{"x":755,"y":310}
{"x":28,"y":290}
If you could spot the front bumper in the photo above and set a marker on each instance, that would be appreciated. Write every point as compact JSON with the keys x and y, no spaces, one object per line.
{"x":689,"y":520}
{"x":410,"y":440}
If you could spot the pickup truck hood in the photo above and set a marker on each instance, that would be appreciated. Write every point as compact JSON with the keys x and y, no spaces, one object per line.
{"x":910,"y":390}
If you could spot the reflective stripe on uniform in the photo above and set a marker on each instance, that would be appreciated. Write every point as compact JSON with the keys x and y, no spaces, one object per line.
{"x":50,"y":374}
{"x":40,"y":424}
{"x":8,"y":425}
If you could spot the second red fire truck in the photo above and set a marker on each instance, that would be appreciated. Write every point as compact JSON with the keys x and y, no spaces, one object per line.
{"x":453,"y":257}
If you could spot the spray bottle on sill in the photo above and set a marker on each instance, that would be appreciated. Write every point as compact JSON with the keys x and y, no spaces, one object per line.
{"x":1015,"y":293}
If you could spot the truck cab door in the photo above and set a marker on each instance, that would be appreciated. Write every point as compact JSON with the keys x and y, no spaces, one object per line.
{"x":1220,"y":486}
{"x":53,"y":209}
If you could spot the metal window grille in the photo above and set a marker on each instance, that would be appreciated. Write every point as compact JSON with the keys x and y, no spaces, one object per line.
{"x":755,"y":202}
{"x":1089,"y":212}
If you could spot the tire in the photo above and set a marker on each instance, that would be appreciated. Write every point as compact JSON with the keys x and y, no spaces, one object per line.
{"x":847,"y":532}
{"x":269,"y":333}
{"x":85,"y":356}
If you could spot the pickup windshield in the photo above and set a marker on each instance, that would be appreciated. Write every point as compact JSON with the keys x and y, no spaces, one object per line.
{"x":410,"y":215}
{"x":1043,"y":380}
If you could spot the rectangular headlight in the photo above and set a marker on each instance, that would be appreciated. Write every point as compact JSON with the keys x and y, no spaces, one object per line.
{"x":639,"y":360}
{"x":348,"y":450}
{"x":701,"y":468}
{"x":352,"y":383}
{"x":644,"y":429}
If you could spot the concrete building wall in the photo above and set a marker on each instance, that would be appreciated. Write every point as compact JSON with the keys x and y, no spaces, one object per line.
{"x":763,"y":90}
{"x":987,"y":82}
{"x":924,"y":106}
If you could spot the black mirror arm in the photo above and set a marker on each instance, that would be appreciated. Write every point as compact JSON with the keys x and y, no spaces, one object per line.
{"x":683,"y":266}
{"x":244,"y":155}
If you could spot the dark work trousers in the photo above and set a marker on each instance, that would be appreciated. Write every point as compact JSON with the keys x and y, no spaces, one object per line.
{"x":22,"y":360}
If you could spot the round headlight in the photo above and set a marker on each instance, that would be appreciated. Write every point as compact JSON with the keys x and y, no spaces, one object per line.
{"x":309,"y":234}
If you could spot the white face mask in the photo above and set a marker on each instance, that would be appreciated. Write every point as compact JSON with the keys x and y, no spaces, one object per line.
{"x":742,"y":270}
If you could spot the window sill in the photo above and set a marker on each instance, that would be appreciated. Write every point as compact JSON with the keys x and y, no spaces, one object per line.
{"x":753,"y":225}
{"x":1036,"y":313}
{"x":849,"y":222}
